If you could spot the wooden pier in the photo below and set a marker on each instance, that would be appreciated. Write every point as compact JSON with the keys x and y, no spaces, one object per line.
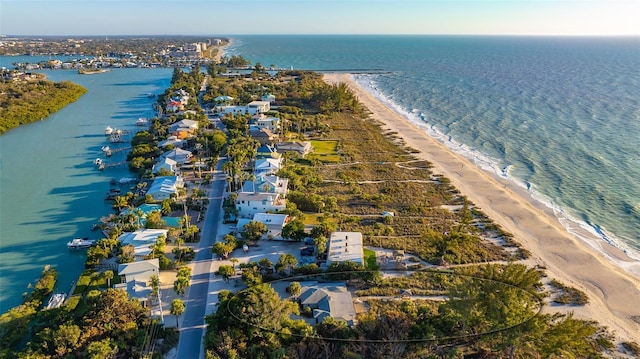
{"x":103,"y":166}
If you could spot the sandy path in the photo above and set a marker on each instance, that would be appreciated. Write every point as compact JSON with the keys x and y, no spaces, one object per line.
{"x":614,"y":292}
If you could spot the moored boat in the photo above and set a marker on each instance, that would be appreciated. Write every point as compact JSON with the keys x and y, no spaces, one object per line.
{"x":142,"y":121}
{"x":56,"y":300}
{"x":97,"y":161}
{"x":108,"y":131}
{"x":79,"y":243}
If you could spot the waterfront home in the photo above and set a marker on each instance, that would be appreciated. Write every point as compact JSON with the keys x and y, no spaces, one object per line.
{"x":267,"y":166}
{"x":172,"y":141}
{"x":328,"y":300}
{"x":135,"y":278}
{"x":142,"y":241}
{"x":165,"y":187}
{"x":301,"y":148}
{"x":248,"y":204}
{"x":167,"y":164}
{"x":345,"y":246}
{"x":174,"y":106}
{"x":179,"y":155}
{"x":189,"y":126}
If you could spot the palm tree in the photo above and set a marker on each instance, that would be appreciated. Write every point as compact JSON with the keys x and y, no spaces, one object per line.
{"x":154,"y":283}
{"x":108,"y":275}
{"x":177,"y":308}
{"x":233,"y":262}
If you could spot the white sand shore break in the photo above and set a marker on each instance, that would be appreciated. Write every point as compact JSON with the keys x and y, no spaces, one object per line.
{"x":614,"y":292}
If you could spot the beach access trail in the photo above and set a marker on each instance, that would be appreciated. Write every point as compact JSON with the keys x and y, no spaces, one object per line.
{"x":613,"y":289}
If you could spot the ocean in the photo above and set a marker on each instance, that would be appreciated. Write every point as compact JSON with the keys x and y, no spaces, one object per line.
{"x":558,"y":116}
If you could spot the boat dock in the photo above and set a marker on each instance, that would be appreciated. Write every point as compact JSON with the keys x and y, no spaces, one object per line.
{"x":103,"y":166}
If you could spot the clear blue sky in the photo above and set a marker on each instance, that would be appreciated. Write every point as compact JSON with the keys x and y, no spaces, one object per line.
{"x":217,"y":17}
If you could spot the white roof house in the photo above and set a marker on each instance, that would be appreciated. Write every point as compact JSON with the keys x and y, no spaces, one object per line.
{"x":267,"y":166}
{"x":328,"y":300}
{"x":248,"y":204}
{"x":163,"y":187}
{"x":265,"y":183}
{"x":345,"y":246}
{"x":166,"y":163}
{"x":270,"y":123}
{"x":258,"y":106}
{"x":302,"y":148}
{"x":136,"y":277}
{"x":274,"y":223}
{"x":184,"y":125}
{"x":179,"y":155}
{"x":142,"y":240}
{"x":172,"y":141}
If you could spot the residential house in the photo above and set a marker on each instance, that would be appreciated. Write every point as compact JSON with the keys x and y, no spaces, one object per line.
{"x":269,"y":97}
{"x":254,"y":107}
{"x":174,"y":106}
{"x":267,"y":184}
{"x":167,"y":164}
{"x":262,"y":135}
{"x":172,"y":141}
{"x":248,"y":204}
{"x":189,"y":126}
{"x":142,"y":241}
{"x":267,"y":151}
{"x":270,"y":123}
{"x":179,"y":155}
{"x":136,"y":278}
{"x":345,"y":246}
{"x":328,"y":300}
{"x":274,"y":223}
{"x":302,"y":148}
{"x":267,"y":166}
{"x":164,"y":187}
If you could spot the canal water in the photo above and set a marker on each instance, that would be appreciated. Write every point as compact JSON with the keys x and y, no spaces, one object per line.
{"x":50,"y":190}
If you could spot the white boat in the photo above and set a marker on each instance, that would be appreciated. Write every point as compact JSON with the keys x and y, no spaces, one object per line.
{"x":56,"y":300}
{"x":78,"y":243}
{"x":142,"y":122}
{"x":108,"y":131}
{"x":106,"y":150}
{"x":97,"y":161}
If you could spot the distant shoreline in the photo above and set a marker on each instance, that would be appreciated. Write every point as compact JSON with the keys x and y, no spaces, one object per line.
{"x":612,"y":290}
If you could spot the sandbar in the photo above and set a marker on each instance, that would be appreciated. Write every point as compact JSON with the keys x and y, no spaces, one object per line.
{"x":610,"y":279}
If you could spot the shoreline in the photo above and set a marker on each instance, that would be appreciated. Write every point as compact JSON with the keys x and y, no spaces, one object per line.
{"x":609,"y":277}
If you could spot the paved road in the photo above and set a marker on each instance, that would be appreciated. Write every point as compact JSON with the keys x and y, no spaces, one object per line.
{"x":193,"y":326}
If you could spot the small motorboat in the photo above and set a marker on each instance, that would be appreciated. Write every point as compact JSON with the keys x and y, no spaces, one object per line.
{"x":56,"y":300}
{"x":79,"y":243}
{"x":142,"y":122}
{"x":97,"y":161}
{"x":108,"y":131}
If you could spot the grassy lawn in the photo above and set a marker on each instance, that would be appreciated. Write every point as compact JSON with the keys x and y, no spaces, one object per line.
{"x":90,"y":279}
{"x":370,"y":259}
{"x":325,"y":151}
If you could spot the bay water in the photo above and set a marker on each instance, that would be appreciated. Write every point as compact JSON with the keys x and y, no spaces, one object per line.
{"x":50,"y":190}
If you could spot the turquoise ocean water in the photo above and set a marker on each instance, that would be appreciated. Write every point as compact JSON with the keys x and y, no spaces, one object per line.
{"x":559,"y":117}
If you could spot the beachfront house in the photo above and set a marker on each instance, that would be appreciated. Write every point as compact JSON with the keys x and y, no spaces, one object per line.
{"x":301,"y":148}
{"x":248,"y":204}
{"x":262,"y":135}
{"x":270,"y":123}
{"x":136,"y":278}
{"x":164,"y":187}
{"x":328,"y":300}
{"x":345,"y":246}
{"x":267,"y":151}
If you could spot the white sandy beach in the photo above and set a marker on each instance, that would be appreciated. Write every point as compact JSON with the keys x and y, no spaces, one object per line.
{"x":607,"y":275}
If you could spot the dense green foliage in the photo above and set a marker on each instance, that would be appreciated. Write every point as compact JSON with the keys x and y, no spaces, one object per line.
{"x":30,"y":101}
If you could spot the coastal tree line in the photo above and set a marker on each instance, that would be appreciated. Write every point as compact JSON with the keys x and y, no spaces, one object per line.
{"x":23,"y":102}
